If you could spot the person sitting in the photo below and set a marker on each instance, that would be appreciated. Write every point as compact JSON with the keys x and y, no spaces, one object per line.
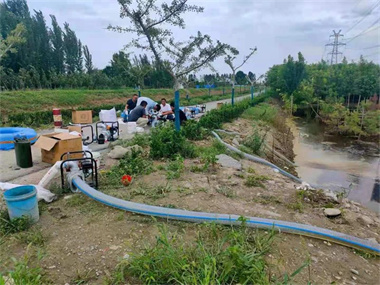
{"x":138,"y":115}
{"x":153,"y":115}
{"x":182,"y":115}
{"x":165,"y":111}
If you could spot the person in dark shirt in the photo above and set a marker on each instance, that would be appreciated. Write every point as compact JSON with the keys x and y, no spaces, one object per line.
{"x":182,"y":115}
{"x":131,"y":103}
{"x":139,"y":115}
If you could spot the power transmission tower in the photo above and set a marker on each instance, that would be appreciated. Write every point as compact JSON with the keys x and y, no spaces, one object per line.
{"x":335,"y":45}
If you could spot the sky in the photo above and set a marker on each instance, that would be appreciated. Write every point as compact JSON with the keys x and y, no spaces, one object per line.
{"x":277,"y":28}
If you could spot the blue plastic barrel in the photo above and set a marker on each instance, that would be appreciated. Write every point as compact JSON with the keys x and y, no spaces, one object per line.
{"x":22,"y":201}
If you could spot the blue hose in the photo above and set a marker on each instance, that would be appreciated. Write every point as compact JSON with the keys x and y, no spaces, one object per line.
{"x":226,"y":219}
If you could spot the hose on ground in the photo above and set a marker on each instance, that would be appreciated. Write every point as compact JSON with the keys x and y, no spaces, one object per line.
{"x":226,"y":219}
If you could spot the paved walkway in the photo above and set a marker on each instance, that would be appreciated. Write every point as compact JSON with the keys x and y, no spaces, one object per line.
{"x":10,"y":172}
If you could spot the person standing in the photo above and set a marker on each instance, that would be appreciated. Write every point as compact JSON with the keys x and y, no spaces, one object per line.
{"x":131,"y":103}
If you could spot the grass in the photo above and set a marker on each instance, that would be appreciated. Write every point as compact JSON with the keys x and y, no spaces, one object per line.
{"x":255,"y":180}
{"x":26,"y":270}
{"x":267,"y":199}
{"x":263,"y":112}
{"x":226,"y":191}
{"x":8,"y":226}
{"x":218,"y":255}
{"x":33,"y":236}
{"x":67,"y":99}
{"x":175,"y":168}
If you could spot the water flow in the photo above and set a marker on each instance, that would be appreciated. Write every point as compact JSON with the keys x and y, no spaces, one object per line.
{"x":340,"y":164}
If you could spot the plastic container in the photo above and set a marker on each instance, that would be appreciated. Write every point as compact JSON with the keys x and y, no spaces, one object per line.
{"x":131,"y":126}
{"x":23,"y":151}
{"x":22,"y":201}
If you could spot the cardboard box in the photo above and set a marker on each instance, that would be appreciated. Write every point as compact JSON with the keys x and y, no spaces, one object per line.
{"x":55,"y":144}
{"x":75,"y":129}
{"x":81,"y":117}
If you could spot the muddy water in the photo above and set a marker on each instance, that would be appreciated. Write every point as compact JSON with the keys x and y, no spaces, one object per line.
{"x":337,"y":163}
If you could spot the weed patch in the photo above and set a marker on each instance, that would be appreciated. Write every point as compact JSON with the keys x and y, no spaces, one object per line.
{"x":175,"y":168}
{"x":226,"y":191}
{"x":8,"y":226}
{"x":219,"y":255}
{"x":255,"y":181}
{"x":254,"y":143}
{"x":27,"y":270}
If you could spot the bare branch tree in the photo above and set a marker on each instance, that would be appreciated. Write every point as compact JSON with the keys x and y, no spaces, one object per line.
{"x":150,"y":20}
{"x":229,"y":60}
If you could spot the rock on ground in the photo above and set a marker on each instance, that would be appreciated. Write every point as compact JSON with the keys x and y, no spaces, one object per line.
{"x":227,"y":161}
{"x":331,"y":212}
{"x":119,"y":151}
{"x":365,"y":220}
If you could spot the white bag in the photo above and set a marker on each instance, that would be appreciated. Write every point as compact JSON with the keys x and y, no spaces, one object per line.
{"x":108,"y":116}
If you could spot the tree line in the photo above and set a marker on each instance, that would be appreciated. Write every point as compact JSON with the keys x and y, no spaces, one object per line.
{"x":35,"y":56}
{"x":344,"y":96}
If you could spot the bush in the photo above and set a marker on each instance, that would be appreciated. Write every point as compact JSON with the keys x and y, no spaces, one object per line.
{"x":192,"y":130}
{"x":254,"y":142}
{"x":166,"y":142}
{"x":262,"y":111}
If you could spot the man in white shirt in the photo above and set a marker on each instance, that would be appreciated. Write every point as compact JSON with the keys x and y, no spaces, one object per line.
{"x":166,"y":110}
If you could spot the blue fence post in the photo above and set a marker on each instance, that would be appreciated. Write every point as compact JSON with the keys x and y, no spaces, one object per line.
{"x":233,"y":96}
{"x":176,"y":111}
{"x":252,"y":91}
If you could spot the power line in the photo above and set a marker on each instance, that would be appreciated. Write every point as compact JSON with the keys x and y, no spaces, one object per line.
{"x":365,"y":31}
{"x":372,"y":54}
{"x":364,"y":48}
{"x":335,"y":51}
{"x":365,"y":16}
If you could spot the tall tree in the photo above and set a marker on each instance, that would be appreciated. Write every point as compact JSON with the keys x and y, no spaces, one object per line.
{"x":42,"y":49}
{"x":87,"y":60}
{"x":10,"y":43}
{"x":58,"y":53}
{"x":73,"y":50}
{"x":150,"y":21}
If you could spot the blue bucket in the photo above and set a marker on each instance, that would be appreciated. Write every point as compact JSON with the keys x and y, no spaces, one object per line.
{"x":22,"y":201}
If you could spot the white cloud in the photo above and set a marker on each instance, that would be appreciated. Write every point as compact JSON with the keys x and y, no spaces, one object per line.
{"x":277,"y":28}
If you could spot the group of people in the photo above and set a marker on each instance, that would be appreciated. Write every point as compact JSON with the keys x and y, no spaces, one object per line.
{"x":144,"y":111}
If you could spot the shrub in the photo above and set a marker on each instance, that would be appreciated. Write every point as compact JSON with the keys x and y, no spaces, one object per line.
{"x":166,"y":142}
{"x":192,"y":130}
{"x":175,"y":168}
{"x":254,"y":142}
{"x":255,"y":181}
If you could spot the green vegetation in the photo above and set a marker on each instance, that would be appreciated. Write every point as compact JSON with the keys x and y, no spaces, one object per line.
{"x":219,"y":255}
{"x":338,"y":95}
{"x":33,"y":108}
{"x":254,"y":143}
{"x":175,"y":168}
{"x":27,"y":270}
{"x":263,"y":112}
{"x":226,"y":191}
{"x":8,"y":226}
{"x":167,"y":143}
{"x":193,"y":131}
{"x":255,"y":180}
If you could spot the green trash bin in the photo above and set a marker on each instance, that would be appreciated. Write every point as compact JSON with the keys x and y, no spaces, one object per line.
{"x":23,"y":152}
